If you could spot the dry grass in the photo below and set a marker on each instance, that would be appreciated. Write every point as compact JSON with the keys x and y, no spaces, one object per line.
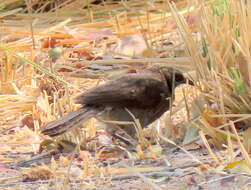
{"x":48,"y":50}
{"x":222,"y":71}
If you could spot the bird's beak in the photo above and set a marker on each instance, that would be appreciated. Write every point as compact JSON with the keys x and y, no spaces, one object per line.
{"x":190,"y":75}
{"x":190,"y":82}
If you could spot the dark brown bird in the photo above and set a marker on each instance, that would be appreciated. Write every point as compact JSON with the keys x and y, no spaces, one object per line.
{"x":146,"y":95}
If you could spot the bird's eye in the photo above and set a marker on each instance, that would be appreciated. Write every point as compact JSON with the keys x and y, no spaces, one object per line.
{"x":179,"y":78}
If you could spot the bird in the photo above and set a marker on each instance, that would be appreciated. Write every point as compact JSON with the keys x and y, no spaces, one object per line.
{"x":145,"y":95}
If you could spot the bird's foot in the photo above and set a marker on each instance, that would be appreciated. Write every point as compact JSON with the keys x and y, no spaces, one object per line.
{"x":129,"y":142}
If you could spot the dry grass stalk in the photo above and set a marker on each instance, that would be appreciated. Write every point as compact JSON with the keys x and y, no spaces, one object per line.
{"x":223,"y":64}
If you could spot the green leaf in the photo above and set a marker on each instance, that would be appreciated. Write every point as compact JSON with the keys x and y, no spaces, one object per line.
{"x":219,"y":7}
{"x":239,"y":84}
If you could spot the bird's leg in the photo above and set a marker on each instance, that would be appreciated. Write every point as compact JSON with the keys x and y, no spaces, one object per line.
{"x":113,"y":126}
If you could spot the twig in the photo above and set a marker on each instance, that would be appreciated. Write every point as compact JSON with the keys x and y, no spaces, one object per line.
{"x":224,"y":177}
{"x":180,"y":62}
{"x":165,"y":172}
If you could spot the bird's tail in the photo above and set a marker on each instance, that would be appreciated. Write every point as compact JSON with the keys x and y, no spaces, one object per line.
{"x":68,"y":121}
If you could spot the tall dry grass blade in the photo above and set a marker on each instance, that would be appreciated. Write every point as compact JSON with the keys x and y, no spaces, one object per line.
{"x":215,"y":158}
{"x":243,"y":150}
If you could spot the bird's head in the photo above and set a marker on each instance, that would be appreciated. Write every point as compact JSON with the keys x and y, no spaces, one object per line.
{"x":173,"y":76}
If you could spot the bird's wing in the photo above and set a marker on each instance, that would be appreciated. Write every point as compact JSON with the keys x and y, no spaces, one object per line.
{"x":130,"y":90}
